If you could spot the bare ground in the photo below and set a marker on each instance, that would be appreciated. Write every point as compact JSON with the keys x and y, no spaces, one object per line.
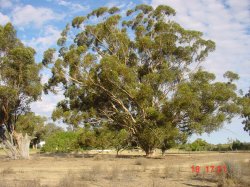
{"x":106,"y":170}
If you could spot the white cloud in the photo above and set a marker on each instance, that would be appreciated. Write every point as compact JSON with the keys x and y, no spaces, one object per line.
{"x":4,"y":19}
{"x":46,"y":105}
{"x":5,"y":4}
{"x":46,"y":40}
{"x":29,"y":15}
{"x":74,"y":7}
{"x":225,"y":22}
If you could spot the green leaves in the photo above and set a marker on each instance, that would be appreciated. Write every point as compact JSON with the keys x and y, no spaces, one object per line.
{"x":19,"y":77}
{"x":136,"y":73}
{"x":99,"y":12}
{"x":245,"y":103}
{"x":113,"y":10}
{"x":77,"y":21}
{"x":61,"y":142}
{"x":163,"y":10}
{"x":144,"y":8}
{"x":231,"y":76}
{"x":48,"y":56}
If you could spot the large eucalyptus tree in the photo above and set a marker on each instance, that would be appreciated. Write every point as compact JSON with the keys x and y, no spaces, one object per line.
{"x":139,"y":72}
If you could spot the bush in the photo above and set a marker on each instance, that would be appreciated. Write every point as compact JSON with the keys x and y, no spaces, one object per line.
{"x":197,"y":145}
{"x":237,"y":145}
{"x":232,"y":176}
{"x":61,"y":142}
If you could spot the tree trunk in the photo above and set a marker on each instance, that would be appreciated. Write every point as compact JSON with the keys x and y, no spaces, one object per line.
{"x":23,"y":143}
{"x":11,"y":150}
{"x":21,"y":150}
{"x":149,"y":152}
{"x":117,"y":152}
{"x":163,"y":152}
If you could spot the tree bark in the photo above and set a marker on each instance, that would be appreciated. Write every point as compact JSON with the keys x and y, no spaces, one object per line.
{"x":149,"y":153}
{"x":23,"y":144}
{"x":163,"y":152}
{"x":21,"y":149}
{"x":11,"y":150}
{"x":117,"y":152}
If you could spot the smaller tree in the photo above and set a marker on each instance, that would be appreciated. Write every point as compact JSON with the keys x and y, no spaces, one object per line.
{"x":120,"y":140}
{"x":62,"y":142}
{"x":236,"y":144}
{"x":50,"y":129}
{"x":103,"y":138}
{"x":199,"y":145}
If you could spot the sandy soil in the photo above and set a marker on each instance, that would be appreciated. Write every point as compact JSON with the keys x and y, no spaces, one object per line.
{"x":127,"y":170}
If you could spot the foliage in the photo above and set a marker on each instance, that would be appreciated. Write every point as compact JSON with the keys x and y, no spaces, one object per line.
{"x":61,"y":142}
{"x":19,"y":77}
{"x":199,"y":145}
{"x":103,"y":138}
{"x":87,"y":139}
{"x":137,"y":73}
{"x":237,"y":145}
{"x":171,"y":139}
{"x":120,"y":140}
{"x":36,"y":127}
{"x":202,"y":145}
{"x":246,"y":111}
{"x":32,"y":125}
{"x":233,"y":176}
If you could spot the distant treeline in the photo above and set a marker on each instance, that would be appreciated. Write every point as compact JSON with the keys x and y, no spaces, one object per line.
{"x":102,"y":138}
{"x":202,"y":145}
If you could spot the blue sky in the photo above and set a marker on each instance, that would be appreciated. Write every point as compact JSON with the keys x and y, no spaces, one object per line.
{"x":227,"y":22}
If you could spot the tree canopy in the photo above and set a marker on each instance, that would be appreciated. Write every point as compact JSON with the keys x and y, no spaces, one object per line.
{"x":141,"y":73}
{"x":19,"y":77}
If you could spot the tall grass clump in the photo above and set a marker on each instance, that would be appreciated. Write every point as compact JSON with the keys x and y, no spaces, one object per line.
{"x":232,"y":175}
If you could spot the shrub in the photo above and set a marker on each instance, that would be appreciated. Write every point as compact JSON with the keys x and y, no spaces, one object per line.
{"x":61,"y":142}
{"x":199,"y":145}
{"x":237,"y":145}
{"x":232,"y":176}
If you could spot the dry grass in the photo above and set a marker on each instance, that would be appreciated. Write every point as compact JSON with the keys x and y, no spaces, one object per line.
{"x":140,"y":161}
{"x":98,"y":157}
{"x":21,"y":183}
{"x":167,"y":172}
{"x":234,"y":174}
{"x":114,"y":173}
{"x":143,"y":162}
{"x":7,"y":171}
{"x":92,"y":174}
{"x":105,"y":170}
{"x":129,"y":174}
{"x":68,"y":180}
{"x":156,"y":183}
